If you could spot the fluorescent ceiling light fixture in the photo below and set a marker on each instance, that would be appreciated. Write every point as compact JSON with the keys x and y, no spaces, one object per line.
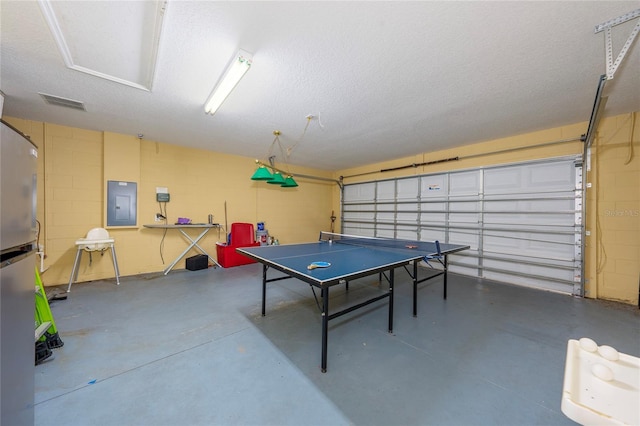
{"x":239,"y":66}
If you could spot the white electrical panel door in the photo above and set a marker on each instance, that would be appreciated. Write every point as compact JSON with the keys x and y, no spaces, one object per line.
{"x":122,"y":203}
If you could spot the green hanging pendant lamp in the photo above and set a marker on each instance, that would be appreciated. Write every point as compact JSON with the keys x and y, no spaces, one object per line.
{"x":262,"y":173}
{"x":289,"y":182}
{"x":276,"y":179}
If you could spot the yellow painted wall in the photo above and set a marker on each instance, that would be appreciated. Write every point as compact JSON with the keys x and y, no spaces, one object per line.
{"x":614,"y":204}
{"x":74,"y":165}
{"x":121,"y":163}
{"x":612,"y":257}
{"x":71,"y":198}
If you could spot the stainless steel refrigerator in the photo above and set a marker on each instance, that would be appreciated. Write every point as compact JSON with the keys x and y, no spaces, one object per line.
{"x":18,"y":172}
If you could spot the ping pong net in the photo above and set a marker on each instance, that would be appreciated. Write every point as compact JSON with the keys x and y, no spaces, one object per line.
{"x":356,"y":240}
{"x":433,"y":248}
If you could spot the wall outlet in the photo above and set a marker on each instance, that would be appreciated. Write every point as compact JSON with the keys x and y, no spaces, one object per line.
{"x":159,"y":217}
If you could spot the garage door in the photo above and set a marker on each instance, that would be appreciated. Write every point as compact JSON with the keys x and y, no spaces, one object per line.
{"x":523,"y":221}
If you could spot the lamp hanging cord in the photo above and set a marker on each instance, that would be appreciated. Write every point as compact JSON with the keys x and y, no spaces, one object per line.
{"x":285,"y":158}
{"x":304,"y":132}
{"x":631,"y":132}
{"x":273,"y":144}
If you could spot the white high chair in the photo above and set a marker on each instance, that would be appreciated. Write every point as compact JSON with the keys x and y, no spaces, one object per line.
{"x":97,"y":239}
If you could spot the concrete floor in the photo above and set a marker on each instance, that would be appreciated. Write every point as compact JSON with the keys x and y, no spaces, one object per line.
{"x":191,"y":348}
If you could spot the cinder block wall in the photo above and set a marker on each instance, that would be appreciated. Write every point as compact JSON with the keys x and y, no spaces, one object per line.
{"x":71,"y":196}
{"x":74,"y":165}
{"x":614,"y":202}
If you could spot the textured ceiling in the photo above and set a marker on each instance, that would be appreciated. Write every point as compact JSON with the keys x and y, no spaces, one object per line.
{"x":382,"y":80}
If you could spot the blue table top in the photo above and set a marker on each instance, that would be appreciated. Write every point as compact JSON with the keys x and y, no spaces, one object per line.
{"x":347,"y":261}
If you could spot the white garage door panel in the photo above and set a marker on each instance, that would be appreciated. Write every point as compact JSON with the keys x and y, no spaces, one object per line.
{"x":385,"y":216}
{"x":466,"y":238}
{"x":471,"y":270}
{"x":385,"y":232}
{"x":470,"y":261}
{"x":549,"y":246}
{"x":529,"y":178}
{"x":551,"y":176}
{"x":430,"y":234}
{"x":359,"y":207}
{"x":465,"y":206}
{"x":537,"y":205}
{"x":522,"y":221}
{"x":359,"y":229}
{"x":503,"y":181}
{"x":551,"y":263}
{"x":408,"y":189}
{"x":502,"y":245}
{"x":386,"y":191}
{"x":359,"y":216}
{"x":433,"y":218}
{"x":526,"y":218}
{"x":542,"y":284}
{"x":525,"y":254}
{"x":361,"y":192}
{"x":567,"y":205}
{"x":465,"y":183}
{"x":407,"y":218}
{"x":386,"y":207}
{"x":463,"y":219}
{"x":434,"y":186}
{"x":434,"y":207}
{"x":407,"y":233}
{"x":556,"y":247}
{"x":535,"y":270}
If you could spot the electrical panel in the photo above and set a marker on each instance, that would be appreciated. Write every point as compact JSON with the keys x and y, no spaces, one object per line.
{"x":122,"y":203}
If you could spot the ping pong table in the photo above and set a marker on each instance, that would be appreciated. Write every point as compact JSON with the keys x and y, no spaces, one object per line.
{"x":337,"y":258}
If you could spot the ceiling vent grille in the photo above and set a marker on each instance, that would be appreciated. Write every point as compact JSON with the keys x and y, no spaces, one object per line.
{"x":63,"y":102}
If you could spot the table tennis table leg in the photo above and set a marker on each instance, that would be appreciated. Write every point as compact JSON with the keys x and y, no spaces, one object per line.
{"x":391,"y":300}
{"x":264,"y":288}
{"x":415,"y":288}
{"x":325,"y":326}
{"x":445,"y":277}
